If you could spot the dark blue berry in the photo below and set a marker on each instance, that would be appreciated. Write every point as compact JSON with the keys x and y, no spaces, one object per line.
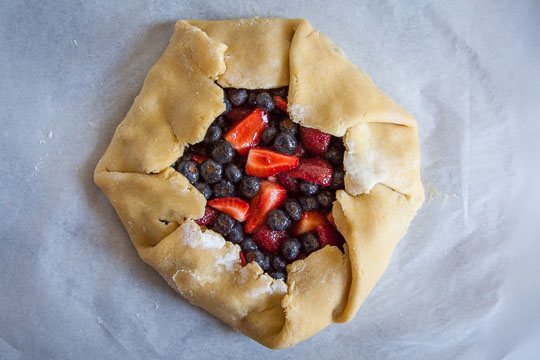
{"x":252,"y":97}
{"x":221,"y":122}
{"x":247,"y":245}
{"x":223,"y":188}
{"x":259,"y":258}
{"x":237,"y":233}
{"x":288,"y":126}
{"x":285,"y":143}
{"x":265,"y":101}
{"x":290,"y":249}
{"x":211,"y":171}
{"x":282,"y":91}
{"x":189,"y":170}
{"x":228,"y":105}
{"x":310,"y":243}
{"x":278,"y":220}
{"x":233,"y":173}
{"x":278,"y":263}
{"x":213,"y":134}
{"x":186,"y":156}
{"x":278,"y":275}
{"x":325,"y":199}
{"x":308,"y":188}
{"x":294,"y":209}
{"x":338,"y":180}
{"x":268,"y":135}
{"x":237,"y":96}
{"x":222,"y":152}
{"x":205,"y":189}
{"x":266,"y":264}
{"x":250,"y":186}
{"x":308,"y":203}
{"x":223,"y":224}
{"x":334,"y":156}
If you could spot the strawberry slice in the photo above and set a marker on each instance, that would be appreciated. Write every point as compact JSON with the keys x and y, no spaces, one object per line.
{"x":316,"y":170}
{"x":328,"y":235}
{"x":269,"y":240}
{"x":237,"y":114}
{"x":309,"y":222}
{"x":330,"y":218}
{"x":198,"y":158}
{"x":242,"y":258}
{"x":270,"y":196}
{"x":208,"y":218}
{"x":288,"y":182}
{"x":281,"y":102}
{"x":315,"y":141}
{"x":236,"y":207}
{"x":263,"y":162}
{"x":246,"y":133}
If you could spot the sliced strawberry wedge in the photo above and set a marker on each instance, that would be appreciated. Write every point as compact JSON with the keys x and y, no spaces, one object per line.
{"x":315,"y":170}
{"x":237,"y":114}
{"x":309,"y":222}
{"x":236,"y":207}
{"x":328,"y":235}
{"x":270,"y":196}
{"x":315,"y":141}
{"x":263,"y":162}
{"x":269,"y":240}
{"x":246,"y":133}
{"x":281,"y":103}
{"x":242,"y":258}
{"x":208,"y":218}
{"x":288,"y":182}
{"x":198,"y":158}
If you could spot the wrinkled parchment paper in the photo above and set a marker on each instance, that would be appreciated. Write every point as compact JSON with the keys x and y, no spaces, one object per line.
{"x":463,"y":283}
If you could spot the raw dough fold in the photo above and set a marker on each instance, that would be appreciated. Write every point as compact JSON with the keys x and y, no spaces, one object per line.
{"x":178,"y":102}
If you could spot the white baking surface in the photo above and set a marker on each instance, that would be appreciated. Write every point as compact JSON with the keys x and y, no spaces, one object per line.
{"x":464,"y":282}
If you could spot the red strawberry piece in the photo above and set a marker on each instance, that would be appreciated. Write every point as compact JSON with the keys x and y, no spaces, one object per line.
{"x":315,"y":141}
{"x":237,"y":114}
{"x":281,"y":102}
{"x":270,"y":196}
{"x":330,"y":218}
{"x":208,"y":218}
{"x":316,"y":170}
{"x":198,"y":158}
{"x":263,"y":162}
{"x":309,"y":222}
{"x":269,"y":240}
{"x":236,"y":207}
{"x":288,"y":182}
{"x":246,"y":133}
{"x":299,"y":151}
{"x":242,"y":258}
{"x":328,"y":235}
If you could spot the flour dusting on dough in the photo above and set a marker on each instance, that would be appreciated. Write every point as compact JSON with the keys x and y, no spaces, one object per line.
{"x":193,"y":237}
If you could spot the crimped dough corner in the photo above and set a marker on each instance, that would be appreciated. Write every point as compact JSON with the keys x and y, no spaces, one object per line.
{"x":182,"y":96}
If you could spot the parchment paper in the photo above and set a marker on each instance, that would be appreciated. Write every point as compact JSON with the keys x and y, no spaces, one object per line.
{"x":463,"y":283}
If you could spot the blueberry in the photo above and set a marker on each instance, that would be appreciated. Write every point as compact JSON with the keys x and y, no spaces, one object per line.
{"x":325,"y":199}
{"x":278,"y":263}
{"x":223,"y":224}
{"x":338,"y":180}
{"x":310,"y":243}
{"x":223,"y":188}
{"x":247,"y":245}
{"x":237,"y":96}
{"x":294,"y":209}
{"x":265,"y":101}
{"x":287,"y":125}
{"x":228,"y":105}
{"x":334,"y":156}
{"x":266,"y":264}
{"x":237,"y":233}
{"x":211,"y":171}
{"x":282,"y":91}
{"x":186,"y":156}
{"x":278,"y":275}
{"x":308,"y":188}
{"x":222,"y":151}
{"x":285,"y":143}
{"x":233,"y":173}
{"x":250,"y":186}
{"x":221,"y":122}
{"x":213,"y":134}
{"x":205,"y":189}
{"x":290,"y":249}
{"x":308,"y":203}
{"x":278,"y":220}
{"x":259,"y":258}
{"x":189,"y":170}
{"x":268,"y":135}
{"x":252,"y":97}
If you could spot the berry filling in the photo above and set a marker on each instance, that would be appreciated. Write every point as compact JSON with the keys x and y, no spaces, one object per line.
{"x":269,"y":182}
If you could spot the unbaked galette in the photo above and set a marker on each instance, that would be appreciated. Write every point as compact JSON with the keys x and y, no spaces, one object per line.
{"x":264,"y":176}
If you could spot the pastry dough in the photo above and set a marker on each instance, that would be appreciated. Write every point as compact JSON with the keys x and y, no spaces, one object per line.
{"x":180,"y":98}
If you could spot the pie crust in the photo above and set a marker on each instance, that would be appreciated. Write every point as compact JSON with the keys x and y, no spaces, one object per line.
{"x":182,"y":95}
